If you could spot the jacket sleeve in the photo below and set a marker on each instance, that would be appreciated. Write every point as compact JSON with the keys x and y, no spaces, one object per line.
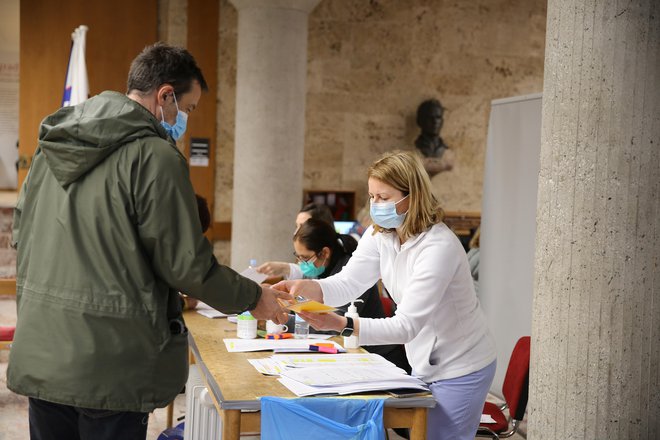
{"x":171,"y":234}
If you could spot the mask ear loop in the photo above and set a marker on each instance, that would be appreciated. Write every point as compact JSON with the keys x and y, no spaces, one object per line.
{"x":162,"y":114}
{"x":176,"y":104}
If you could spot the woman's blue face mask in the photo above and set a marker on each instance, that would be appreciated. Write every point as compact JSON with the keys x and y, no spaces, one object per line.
{"x":384,"y":214}
{"x":179,"y":127}
{"x":309,"y":270}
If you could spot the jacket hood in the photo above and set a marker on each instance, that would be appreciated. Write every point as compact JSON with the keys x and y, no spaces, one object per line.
{"x":76,"y":139}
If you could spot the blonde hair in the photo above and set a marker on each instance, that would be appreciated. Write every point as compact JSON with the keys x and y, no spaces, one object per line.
{"x":403,"y":170}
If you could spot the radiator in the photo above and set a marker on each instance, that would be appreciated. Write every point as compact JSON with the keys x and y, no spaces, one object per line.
{"x":202,"y":419}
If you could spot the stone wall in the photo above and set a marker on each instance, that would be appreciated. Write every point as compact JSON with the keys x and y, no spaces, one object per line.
{"x":372,"y":62}
{"x":7,"y":254}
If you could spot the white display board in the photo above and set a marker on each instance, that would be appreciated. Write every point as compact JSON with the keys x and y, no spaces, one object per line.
{"x":508,"y":223}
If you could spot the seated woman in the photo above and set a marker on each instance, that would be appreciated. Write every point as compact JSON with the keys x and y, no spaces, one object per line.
{"x":321,"y":252}
{"x":291,"y":271}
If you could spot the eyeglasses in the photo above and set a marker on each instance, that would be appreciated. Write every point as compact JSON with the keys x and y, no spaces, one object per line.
{"x":303,"y":259}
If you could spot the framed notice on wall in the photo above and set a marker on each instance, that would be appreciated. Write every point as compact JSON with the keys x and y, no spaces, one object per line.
{"x":199,"y":152}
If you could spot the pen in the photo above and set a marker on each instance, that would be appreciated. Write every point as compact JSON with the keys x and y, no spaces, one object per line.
{"x":323,"y":349}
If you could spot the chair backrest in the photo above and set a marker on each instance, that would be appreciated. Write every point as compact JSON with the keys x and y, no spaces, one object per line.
{"x":388,"y":306}
{"x":516,"y":381}
{"x":7,"y":333}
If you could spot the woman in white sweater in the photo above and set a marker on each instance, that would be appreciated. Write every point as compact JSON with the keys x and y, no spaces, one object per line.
{"x":424,"y":267}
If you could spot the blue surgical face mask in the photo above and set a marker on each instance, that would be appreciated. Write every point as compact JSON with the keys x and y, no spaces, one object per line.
{"x":179,"y":127}
{"x":309,"y":270}
{"x":384,"y":214}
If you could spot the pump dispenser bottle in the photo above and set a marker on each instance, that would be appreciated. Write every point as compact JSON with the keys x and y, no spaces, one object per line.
{"x":352,"y":341}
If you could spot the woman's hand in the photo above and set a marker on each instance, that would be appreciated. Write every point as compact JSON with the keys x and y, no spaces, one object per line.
{"x":274,"y":269}
{"x":325,"y":321}
{"x":310,"y":289}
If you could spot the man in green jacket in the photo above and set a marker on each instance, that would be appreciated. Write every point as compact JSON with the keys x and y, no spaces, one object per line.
{"x":107,"y":233}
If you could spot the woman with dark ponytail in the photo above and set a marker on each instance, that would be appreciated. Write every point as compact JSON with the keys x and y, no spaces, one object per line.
{"x":321,"y":252}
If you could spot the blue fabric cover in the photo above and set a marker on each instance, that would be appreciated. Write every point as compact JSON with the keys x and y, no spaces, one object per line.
{"x":322,"y":419}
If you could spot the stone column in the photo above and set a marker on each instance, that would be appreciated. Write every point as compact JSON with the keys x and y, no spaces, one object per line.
{"x":595,"y":369}
{"x":270,"y":127}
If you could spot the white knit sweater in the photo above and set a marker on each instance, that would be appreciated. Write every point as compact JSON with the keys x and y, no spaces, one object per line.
{"x":438,"y":315}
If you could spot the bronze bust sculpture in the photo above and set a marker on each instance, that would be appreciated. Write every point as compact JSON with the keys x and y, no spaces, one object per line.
{"x":437,"y":155}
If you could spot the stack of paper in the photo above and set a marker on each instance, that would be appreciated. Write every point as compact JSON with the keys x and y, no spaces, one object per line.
{"x":313,"y":374}
{"x":276,"y":364}
{"x":347,"y":380}
{"x":325,"y":360}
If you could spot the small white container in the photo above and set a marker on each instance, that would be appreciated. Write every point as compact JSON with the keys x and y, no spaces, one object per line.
{"x":246,"y":326}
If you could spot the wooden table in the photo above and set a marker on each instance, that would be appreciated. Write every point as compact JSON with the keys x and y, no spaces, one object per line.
{"x":236,"y":386}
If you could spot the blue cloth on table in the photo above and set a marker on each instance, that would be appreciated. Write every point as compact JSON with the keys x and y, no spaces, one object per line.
{"x":322,"y":419}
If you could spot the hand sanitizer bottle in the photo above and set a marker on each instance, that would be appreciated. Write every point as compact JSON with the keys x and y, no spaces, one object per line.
{"x":352,"y":341}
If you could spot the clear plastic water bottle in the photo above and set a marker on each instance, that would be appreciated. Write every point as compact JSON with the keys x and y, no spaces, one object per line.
{"x":253,"y":263}
{"x":301,"y":330}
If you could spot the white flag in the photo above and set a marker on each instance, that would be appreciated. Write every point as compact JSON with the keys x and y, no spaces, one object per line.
{"x":76,"y":87}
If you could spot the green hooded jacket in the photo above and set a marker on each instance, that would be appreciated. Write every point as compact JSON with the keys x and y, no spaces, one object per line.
{"x":107,"y":233}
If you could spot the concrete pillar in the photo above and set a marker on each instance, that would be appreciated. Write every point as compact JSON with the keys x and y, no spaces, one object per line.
{"x":596,"y":315}
{"x":270,"y":127}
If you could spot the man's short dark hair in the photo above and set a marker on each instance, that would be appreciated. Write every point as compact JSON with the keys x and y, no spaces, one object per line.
{"x":160,"y":64}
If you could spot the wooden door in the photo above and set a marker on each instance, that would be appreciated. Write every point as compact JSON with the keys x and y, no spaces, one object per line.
{"x":118,"y":31}
{"x":203,"y":21}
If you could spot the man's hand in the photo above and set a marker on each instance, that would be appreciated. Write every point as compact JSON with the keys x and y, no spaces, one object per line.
{"x":310,"y":289}
{"x":269,"y":307}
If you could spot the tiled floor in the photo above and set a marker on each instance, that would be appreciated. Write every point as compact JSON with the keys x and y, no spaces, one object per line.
{"x":13,"y":408}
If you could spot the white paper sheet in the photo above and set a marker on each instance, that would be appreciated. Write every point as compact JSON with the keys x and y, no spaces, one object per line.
{"x":208,"y":311}
{"x":324,"y":360}
{"x":300,"y":389}
{"x":344,"y":375}
{"x":486,"y":418}
{"x":267,"y":366}
{"x":255,"y":276}
{"x":295,"y":345}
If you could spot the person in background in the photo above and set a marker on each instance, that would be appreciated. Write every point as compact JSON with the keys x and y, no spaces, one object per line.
{"x":320,"y":252}
{"x":189,"y":302}
{"x":107,"y":234}
{"x":425,"y":269}
{"x":314,"y":210}
{"x":473,"y":258}
{"x":291,"y":271}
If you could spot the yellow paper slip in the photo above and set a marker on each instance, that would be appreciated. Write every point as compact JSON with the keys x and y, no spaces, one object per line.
{"x":310,"y":306}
